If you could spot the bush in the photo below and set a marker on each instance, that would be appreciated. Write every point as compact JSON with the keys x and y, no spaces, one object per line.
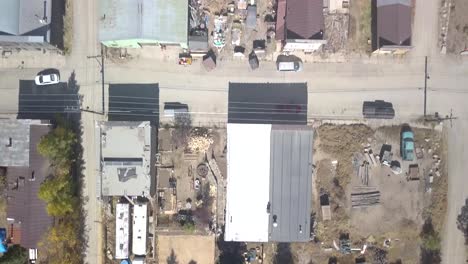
{"x":57,"y":193}
{"x":462,"y":221}
{"x":15,"y":255}
{"x":58,"y":147}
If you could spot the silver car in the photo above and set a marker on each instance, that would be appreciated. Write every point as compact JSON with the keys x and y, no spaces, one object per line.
{"x":46,"y":79}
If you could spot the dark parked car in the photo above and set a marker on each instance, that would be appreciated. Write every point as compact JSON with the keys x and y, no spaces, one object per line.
{"x":378,"y":109}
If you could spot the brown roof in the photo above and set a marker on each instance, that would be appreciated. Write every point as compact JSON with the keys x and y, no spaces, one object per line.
{"x":14,"y":233}
{"x":304,"y":19}
{"x":280,"y":19}
{"x":24,"y":206}
{"x":393,"y":23}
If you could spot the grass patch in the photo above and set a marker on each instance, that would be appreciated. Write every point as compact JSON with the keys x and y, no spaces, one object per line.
{"x":360,"y":26}
{"x":68,"y":27}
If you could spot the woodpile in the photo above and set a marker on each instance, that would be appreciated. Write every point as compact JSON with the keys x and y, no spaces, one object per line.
{"x":364,"y":199}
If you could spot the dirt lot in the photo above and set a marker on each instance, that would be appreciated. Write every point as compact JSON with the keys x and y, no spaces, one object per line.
{"x":398,"y":214}
{"x":359,"y":26}
{"x":181,"y":154}
{"x":457,"y":35}
{"x":186,"y":249}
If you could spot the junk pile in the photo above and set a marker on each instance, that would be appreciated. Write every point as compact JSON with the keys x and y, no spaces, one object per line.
{"x":200,"y":140}
{"x":219,"y":33}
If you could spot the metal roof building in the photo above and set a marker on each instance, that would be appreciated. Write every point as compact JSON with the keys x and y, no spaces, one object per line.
{"x":15,"y":141}
{"x":268,"y":103}
{"x":134,"y":102}
{"x":131,"y":23}
{"x":122,"y":230}
{"x":269,"y":184}
{"x":139,"y":233}
{"x":125,"y":155}
{"x":25,"y":20}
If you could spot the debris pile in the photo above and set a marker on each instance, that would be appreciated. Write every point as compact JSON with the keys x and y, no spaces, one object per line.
{"x":336,"y":31}
{"x":200,"y":140}
{"x":219,"y":33}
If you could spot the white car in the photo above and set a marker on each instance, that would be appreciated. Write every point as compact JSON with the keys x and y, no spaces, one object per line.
{"x":46,"y":79}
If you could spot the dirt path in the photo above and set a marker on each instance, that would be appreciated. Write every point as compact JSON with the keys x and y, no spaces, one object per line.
{"x":453,"y":247}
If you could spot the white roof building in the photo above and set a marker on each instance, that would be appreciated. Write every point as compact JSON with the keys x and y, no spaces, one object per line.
{"x":125,"y":155}
{"x":139,"y":229}
{"x":269,"y":183}
{"x":122,"y":228}
{"x":247,"y":193}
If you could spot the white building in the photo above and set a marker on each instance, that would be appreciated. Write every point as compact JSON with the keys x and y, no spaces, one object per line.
{"x":125,"y":155}
{"x":122,"y":228}
{"x":269,"y":183}
{"x":139,"y":235}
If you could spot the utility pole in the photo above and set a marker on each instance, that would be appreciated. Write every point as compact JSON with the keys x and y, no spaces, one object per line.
{"x":426,"y":77}
{"x":101,"y":63}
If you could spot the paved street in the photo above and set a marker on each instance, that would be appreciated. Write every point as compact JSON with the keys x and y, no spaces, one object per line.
{"x":336,"y":90}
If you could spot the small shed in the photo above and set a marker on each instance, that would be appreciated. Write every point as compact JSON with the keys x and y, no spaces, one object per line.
{"x":253,"y":60}
{"x":209,"y":61}
{"x":251,"y":21}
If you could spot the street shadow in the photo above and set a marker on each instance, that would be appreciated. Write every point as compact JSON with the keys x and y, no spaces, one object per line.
{"x":172,"y":259}
{"x":230,"y":252}
{"x":283,"y":254}
{"x":192,"y":262}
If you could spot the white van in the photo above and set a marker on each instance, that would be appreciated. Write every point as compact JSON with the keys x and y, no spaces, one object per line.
{"x":289,"y":66}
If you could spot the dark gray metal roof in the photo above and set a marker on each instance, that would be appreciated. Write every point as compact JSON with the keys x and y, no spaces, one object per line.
{"x":23,"y":204}
{"x":268,"y":103}
{"x":134,"y":102}
{"x":290,"y":183}
{"x":45,"y":102}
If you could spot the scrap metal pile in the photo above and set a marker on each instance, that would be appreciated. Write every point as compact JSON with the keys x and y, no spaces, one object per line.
{"x":364,"y":197}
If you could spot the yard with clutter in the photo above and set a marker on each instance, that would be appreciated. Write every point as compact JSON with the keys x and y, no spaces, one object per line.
{"x":368,"y":194}
{"x":191,"y":169}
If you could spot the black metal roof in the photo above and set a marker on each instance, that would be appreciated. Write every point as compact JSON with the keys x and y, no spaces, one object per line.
{"x":268,"y":103}
{"x":45,"y":102}
{"x":134,"y":102}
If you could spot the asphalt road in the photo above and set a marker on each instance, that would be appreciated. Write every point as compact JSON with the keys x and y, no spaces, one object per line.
{"x":336,"y":90}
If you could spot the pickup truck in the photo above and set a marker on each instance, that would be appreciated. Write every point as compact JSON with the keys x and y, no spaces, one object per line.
{"x":407,"y":145}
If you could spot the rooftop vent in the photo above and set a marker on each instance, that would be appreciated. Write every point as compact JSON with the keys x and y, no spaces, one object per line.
{"x":126,"y":174}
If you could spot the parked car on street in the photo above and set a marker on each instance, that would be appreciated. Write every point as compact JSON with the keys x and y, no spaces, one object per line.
{"x":46,"y":77}
{"x":378,"y":109}
{"x":288,"y":63}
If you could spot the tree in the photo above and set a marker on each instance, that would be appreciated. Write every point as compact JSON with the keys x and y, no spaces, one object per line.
{"x":57,"y":193}
{"x":58,"y":146}
{"x":462,"y":221}
{"x":61,"y":244}
{"x":15,"y":255}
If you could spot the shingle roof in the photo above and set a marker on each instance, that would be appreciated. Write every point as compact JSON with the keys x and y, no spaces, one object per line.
{"x":23,"y":204}
{"x":290,"y":183}
{"x":304,"y":19}
{"x":267,"y":103}
{"x":393,"y":22}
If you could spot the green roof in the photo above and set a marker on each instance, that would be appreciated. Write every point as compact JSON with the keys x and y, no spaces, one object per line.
{"x":126,"y":22}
